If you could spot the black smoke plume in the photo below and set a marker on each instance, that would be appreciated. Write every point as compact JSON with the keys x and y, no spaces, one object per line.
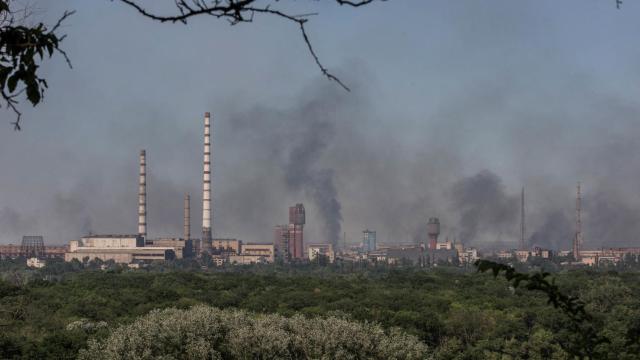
{"x":484,"y":207}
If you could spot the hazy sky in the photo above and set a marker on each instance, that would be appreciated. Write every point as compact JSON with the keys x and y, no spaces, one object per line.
{"x":455,"y":106}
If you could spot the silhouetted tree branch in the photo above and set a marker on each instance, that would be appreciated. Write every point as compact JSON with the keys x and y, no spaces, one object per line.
{"x":243,"y":11}
{"x":580,"y":321}
{"x":21,"y":49}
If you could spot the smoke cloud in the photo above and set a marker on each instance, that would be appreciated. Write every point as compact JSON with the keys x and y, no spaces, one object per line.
{"x":303,"y":172}
{"x":484,"y":207}
{"x":454,"y":107}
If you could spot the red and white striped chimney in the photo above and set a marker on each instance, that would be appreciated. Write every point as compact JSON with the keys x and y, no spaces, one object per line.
{"x":207,"y":208}
{"x":142,"y":195}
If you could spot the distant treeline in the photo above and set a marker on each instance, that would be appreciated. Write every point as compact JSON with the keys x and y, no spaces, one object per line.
{"x":55,"y":311}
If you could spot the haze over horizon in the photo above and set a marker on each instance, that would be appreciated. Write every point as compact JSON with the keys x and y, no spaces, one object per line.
{"x":454,"y":107}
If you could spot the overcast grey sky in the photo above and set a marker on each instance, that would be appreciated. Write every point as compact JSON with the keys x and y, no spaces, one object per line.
{"x":455,"y":106}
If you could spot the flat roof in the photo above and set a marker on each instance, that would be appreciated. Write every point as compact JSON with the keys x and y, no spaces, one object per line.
{"x":111,"y":236}
{"x":119,"y":249}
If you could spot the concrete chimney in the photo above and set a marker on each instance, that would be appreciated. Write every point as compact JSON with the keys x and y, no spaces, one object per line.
{"x":207,"y":209}
{"x":187,"y":217}
{"x":142,"y":195}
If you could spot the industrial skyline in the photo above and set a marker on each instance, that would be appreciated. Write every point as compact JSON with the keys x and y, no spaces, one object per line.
{"x":288,"y":244}
{"x":288,"y":240}
{"x":413,"y":139}
{"x":290,"y":237}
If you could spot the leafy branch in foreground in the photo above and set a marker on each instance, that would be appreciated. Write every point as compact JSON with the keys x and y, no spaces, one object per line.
{"x":243,"y":11}
{"x":581,"y":323}
{"x":21,"y":49}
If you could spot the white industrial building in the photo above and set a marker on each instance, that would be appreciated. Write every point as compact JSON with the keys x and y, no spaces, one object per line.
{"x":124,"y":249}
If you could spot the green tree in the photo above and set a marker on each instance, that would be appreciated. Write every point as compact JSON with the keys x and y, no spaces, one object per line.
{"x":208,"y":333}
{"x":22,"y":48}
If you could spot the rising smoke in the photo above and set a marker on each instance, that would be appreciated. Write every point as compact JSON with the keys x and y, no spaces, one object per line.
{"x":484,"y":207}
{"x":333,"y":152}
{"x":297,"y":141}
{"x":454,"y":134}
{"x":302,"y":171}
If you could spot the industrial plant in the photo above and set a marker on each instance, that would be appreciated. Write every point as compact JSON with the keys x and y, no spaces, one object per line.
{"x":288,"y":244}
{"x":140,"y":248}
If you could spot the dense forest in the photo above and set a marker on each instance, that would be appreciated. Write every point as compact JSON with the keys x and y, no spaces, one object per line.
{"x":58,"y":311}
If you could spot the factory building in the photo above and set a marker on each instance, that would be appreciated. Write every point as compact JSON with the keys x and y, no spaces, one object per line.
{"x":55,"y":251}
{"x":253,"y":254}
{"x":181,"y":247}
{"x":123,"y":249}
{"x":369,"y":242}
{"x":231,"y":246}
{"x":607,"y":256}
{"x":316,"y":250}
{"x":266,"y":251}
{"x":447,"y":245}
{"x":128,"y":249}
{"x":139,"y":247}
{"x":289,"y":239}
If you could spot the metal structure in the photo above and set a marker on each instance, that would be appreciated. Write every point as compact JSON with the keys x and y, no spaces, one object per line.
{"x":433,"y":231}
{"x":142,"y":195}
{"x":187,"y":217}
{"x":207,"y":207}
{"x":577,"y":241}
{"x":522,"y":223}
{"x":32,"y":247}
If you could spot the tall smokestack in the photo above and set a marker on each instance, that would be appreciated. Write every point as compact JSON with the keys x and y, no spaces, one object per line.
{"x":187,"y":217}
{"x":142,"y":195}
{"x":577,"y":241}
{"x":522,"y":223}
{"x":207,"y":209}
